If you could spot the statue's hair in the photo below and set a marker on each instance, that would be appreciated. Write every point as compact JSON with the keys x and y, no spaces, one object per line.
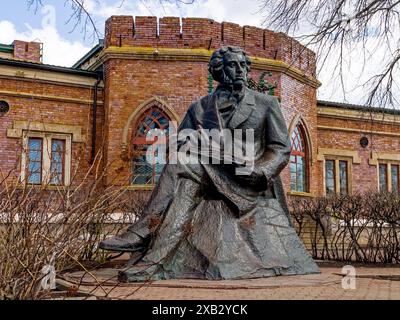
{"x":216,"y":64}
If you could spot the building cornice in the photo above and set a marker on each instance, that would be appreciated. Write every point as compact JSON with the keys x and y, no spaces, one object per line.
{"x":18,"y":70}
{"x":357,"y":107}
{"x":358,"y":115}
{"x":51,"y":82}
{"x":41,"y":66}
{"x":47,"y":97}
{"x":197,"y":55}
{"x":353,"y":130}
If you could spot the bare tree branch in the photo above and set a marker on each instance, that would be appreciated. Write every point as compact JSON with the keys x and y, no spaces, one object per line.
{"x":337,"y":28}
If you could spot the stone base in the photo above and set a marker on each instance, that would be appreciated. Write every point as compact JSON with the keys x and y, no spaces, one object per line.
{"x":372,"y":282}
{"x":109,"y":277}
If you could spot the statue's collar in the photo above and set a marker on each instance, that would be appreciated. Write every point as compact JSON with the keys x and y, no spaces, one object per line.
{"x":245,"y":95}
{"x":240,"y":114}
{"x":249,"y":97}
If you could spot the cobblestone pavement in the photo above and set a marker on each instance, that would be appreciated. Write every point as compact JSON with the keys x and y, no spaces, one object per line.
{"x":370,"y":283}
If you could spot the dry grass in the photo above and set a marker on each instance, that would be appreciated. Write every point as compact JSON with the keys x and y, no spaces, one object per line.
{"x":359,"y":227}
{"x":58,"y":227}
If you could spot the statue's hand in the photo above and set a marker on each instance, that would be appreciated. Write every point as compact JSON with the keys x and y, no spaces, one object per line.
{"x":255,"y":176}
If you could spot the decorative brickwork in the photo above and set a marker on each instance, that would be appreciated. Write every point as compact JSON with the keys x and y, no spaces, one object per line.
{"x":194,"y":33}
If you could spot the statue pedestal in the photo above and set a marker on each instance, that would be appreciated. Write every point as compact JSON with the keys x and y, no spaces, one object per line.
{"x":110,"y":287}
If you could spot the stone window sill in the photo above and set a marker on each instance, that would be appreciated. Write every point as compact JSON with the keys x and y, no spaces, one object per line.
{"x":300,"y":194}
{"x":141,"y":187}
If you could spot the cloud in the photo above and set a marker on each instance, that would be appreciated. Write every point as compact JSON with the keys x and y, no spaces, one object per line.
{"x":239,"y":11}
{"x":56,"y":49}
{"x":243,"y":12}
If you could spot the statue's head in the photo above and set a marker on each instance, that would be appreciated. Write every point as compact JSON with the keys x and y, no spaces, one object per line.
{"x":230,"y":65}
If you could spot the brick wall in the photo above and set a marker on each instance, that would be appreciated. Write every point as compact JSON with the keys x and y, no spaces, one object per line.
{"x":130,"y":83}
{"x":364,"y":175}
{"x":171,"y":32}
{"x":40,"y":109}
{"x":300,"y":99}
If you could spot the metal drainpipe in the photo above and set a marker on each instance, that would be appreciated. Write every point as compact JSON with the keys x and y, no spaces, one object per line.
{"x":94,"y":121}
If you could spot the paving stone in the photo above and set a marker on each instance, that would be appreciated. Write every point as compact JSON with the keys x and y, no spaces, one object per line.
{"x":326,"y":286}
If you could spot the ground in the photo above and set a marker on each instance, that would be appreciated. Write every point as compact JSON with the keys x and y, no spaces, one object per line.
{"x":371,"y":282}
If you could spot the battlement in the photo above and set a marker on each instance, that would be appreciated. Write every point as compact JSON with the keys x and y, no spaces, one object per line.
{"x":195,"y":33}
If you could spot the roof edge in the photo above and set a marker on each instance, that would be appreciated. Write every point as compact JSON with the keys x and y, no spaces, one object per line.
{"x":8,"y":48}
{"x":98,"y":47}
{"x":47,"y":67}
{"x":343,"y":105}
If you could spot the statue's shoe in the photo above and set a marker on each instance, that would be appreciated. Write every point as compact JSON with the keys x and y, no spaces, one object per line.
{"x":127,"y":242}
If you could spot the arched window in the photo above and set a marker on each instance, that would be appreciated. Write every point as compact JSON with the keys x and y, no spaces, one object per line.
{"x":146,"y":169}
{"x":298,"y":161}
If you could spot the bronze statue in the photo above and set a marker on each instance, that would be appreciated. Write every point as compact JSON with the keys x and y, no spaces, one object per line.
{"x":207,"y":221}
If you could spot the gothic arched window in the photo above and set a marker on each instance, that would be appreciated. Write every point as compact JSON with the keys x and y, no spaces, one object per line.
{"x":298,"y":161}
{"x":146,"y":167}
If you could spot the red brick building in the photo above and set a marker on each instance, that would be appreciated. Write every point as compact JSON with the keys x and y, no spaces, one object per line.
{"x":147,"y":72}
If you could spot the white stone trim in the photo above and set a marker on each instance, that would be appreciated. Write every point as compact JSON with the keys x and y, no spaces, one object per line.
{"x":47,"y":137}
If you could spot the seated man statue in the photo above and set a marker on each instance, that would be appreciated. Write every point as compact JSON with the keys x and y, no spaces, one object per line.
{"x":204,"y":220}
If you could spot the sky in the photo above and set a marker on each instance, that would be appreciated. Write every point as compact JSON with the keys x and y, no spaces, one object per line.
{"x":65,"y":43}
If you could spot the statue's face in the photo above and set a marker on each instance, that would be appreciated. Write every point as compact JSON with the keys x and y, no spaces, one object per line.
{"x":235,"y":68}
